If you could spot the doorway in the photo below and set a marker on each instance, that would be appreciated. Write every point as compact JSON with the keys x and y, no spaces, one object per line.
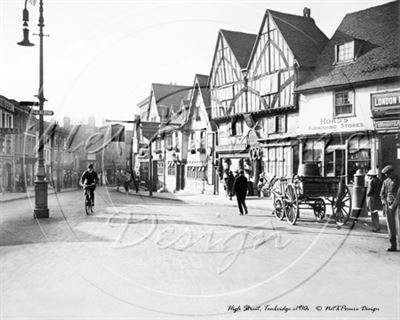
{"x":335,"y":163}
{"x":390,"y":150}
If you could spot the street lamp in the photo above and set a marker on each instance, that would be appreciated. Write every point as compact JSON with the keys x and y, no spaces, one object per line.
{"x":41,"y":210}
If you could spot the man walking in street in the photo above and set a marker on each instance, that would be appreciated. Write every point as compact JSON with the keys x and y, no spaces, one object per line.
{"x":240,"y":189}
{"x":388,"y":194}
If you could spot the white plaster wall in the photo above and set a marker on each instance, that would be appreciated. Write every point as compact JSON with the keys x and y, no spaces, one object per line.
{"x":316,"y":113}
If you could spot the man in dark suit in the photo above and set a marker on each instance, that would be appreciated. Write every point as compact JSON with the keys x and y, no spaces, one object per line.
{"x":240,"y":189}
{"x":388,"y":194}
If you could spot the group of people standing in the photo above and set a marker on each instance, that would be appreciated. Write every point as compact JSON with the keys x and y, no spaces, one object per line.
{"x":385,"y":195}
{"x":380,"y":195}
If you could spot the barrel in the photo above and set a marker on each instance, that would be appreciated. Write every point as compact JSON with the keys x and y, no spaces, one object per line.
{"x":308,"y":170}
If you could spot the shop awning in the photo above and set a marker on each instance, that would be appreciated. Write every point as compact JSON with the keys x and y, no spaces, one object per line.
{"x":231,"y":148}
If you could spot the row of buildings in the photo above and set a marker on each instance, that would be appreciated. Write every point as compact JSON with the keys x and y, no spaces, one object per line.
{"x":278,"y":98}
{"x":67,"y":149}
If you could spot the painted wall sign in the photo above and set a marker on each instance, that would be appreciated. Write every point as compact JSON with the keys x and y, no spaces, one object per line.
{"x":335,"y":125}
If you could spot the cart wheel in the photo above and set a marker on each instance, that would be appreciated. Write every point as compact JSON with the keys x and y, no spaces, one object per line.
{"x":341,"y":206}
{"x":279,"y":210}
{"x":319,"y":208}
{"x":291,"y":204}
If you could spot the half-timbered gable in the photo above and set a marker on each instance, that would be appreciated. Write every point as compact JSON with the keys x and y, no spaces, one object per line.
{"x":285,"y":44}
{"x":286,"y":49}
{"x":227,"y":80}
{"x":199,"y":165}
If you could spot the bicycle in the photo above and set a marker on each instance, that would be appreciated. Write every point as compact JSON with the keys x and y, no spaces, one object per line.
{"x":88,"y":198}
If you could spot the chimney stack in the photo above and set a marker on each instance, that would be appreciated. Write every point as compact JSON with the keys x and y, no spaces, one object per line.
{"x":307,"y":12}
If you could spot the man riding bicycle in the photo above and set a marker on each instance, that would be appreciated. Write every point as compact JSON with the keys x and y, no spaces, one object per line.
{"x":88,"y":181}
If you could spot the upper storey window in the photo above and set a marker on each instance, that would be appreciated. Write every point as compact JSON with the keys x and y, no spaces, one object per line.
{"x":344,"y":52}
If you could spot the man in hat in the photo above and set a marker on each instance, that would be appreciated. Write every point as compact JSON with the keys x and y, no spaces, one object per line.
{"x":240,"y":189}
{"x":374,"y":186}
{"x":389,"y":191}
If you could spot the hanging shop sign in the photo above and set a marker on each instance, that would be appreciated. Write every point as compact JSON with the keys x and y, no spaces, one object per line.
{"x":387,"y":124}
{"x":386,"y":103}
{"x":255,"y":154}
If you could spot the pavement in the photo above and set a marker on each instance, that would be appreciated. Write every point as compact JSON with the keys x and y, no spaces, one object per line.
{"x":29,"y":193}
{"x":253,"y":202}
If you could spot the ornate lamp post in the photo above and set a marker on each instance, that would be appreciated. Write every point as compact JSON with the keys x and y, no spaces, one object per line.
{"x":41,"y":210}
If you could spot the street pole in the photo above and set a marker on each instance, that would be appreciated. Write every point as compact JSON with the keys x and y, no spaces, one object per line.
{"x":150,"y":169}
{"x":41,"y":210}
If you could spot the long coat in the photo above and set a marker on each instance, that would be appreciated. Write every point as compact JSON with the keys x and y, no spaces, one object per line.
{"x":373,"y":194}
{"x":240,"y":186}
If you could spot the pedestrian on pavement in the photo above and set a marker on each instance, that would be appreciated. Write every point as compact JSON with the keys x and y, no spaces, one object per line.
{"x":126,"y":182}
{"x":118,"y":178}
{"x":135,"y":178}
{"x":388,"y":194}
{"x":374,"y":186}
{"x":240,"y":189}
{"x":229,"y":183}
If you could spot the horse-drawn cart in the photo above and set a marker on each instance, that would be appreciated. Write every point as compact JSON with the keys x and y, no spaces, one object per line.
{"x":311,"y":191}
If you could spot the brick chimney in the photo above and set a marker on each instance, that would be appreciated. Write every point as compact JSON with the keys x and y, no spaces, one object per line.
{"x":307,"y":12}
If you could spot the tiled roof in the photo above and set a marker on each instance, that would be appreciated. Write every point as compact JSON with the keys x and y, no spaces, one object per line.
{"x":241,"y":45}
{"x":377,"y":30}
{"x":167,"y":95}
{"x":204,"y":88}
{"x":302,"y":35}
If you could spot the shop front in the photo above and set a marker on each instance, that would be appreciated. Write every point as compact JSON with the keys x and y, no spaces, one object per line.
{"x":340,"y":144}
{"x":385,"y":108}
{"x":340,"y":154}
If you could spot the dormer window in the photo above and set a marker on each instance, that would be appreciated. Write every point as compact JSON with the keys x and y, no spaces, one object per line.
{"x":344,"y":52}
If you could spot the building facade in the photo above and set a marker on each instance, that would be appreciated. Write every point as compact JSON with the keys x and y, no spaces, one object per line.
{"x":349,"y":109}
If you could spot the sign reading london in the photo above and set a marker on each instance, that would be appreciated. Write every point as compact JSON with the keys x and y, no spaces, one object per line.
{"x":384,"y":104}
{"x":388,"y":99}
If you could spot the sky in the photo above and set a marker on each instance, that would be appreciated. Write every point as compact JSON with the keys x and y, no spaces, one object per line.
{"x":101,"y":56}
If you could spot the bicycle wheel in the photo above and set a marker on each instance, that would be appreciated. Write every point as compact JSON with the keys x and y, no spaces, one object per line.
{"x":88,"y":206}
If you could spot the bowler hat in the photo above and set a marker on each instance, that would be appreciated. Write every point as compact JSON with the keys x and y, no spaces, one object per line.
{"x":372,"y":172}
{"x":387,"y":169}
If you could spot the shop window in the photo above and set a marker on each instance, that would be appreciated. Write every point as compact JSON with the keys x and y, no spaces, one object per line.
{"x":171,"y":168}
{"x":344,"y":103}
{"x":312,"y":152}
{"x":359,"y":156}
{"x":270,"y":163}
{"x":160,"y":168}
{"x":335,"y":163}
